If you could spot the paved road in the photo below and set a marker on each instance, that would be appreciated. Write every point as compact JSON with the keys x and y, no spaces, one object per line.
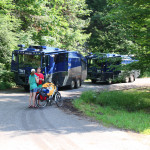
{"x":52,"y":129}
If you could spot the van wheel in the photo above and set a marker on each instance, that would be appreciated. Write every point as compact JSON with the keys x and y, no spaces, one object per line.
{"x":126,"y":80}
{"x":78,"y":83}
{"x":72,"y":85}
{"x":109,"y":81}
{"x":132,"y":78}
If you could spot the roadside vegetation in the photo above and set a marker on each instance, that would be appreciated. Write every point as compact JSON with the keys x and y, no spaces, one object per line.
{"x":146,"y":74}
{"x":6,"y":78}
{"x":105,"y":26}
{"x":128,"y":109}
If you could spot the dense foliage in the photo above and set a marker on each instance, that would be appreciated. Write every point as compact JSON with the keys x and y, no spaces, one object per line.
{"x":134,"y":16}
{"x":84,"y":25}
{"x":55,"y":23}
{"x":107,"y":35}
{"x":122,"y":27}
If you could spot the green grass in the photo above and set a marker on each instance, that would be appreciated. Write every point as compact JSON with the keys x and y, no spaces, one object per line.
{"x":146,"y":74}
{"x":108,"y":110}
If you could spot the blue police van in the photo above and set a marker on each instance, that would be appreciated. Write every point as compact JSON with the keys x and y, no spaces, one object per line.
{"x":105,"y":68}
{"x":62,"y":67}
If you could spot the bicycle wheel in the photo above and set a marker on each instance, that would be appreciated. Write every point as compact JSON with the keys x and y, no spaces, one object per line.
{"x":40,"y":103}
{"x":58,"y":99}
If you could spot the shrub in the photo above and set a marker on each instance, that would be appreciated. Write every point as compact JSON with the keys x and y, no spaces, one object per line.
{"x":6,"y":78}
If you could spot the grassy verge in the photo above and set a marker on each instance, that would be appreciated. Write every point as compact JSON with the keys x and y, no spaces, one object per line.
{"x":129,"y":109}
{"x":146,"y":74}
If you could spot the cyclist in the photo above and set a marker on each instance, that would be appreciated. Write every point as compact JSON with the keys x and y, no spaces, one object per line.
{"x":40,"y":76}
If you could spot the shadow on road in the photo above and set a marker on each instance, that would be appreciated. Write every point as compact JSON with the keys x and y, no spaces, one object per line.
{"x":16,"y":117}
{"x":13,"y":91}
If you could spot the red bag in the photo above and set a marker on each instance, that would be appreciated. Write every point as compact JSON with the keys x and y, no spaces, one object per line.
{"x":43,"y":97}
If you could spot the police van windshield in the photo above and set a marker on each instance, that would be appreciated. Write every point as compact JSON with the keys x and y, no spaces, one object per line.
{"x":29,"y":60}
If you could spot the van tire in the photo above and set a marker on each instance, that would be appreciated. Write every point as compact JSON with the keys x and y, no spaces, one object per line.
{"x":72,"y":84}
{"x":78,"y":83}
{"x":109,"y":81}
{"x":132,"y":79}
{"x":126,"y":80}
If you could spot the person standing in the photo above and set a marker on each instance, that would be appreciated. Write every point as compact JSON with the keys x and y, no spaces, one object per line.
{"x":40,"y":76}
{"x":33,"y":80}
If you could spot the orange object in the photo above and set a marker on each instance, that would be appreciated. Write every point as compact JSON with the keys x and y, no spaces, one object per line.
{"x":51,"y":87}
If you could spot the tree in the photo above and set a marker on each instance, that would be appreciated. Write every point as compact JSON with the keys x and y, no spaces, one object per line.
{"x":107,"y":35}
{"x":8,"y":28}
{"x":56,"y":23}
{"x":135,"y":15}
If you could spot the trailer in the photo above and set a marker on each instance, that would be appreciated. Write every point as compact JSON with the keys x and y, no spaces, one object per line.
{"x":105,"y":68}
{"x":62,"y":67}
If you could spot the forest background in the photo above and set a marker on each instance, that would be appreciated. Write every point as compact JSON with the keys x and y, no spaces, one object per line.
{"x":106,"y":26}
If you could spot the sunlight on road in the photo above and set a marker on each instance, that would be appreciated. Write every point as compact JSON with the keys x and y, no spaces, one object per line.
{"x":51,"y":128}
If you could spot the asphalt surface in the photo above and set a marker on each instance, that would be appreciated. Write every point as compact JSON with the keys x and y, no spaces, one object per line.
{"x":51,"y":128}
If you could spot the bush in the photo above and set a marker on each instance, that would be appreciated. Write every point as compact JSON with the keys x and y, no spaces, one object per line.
{"x":5,"y":85}
{"x":6,"y":78}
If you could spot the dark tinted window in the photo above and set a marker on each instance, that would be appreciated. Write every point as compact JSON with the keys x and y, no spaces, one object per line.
{"x":61,"y":58}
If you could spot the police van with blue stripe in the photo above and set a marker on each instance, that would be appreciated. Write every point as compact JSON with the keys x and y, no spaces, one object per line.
{"x":62,"y":67}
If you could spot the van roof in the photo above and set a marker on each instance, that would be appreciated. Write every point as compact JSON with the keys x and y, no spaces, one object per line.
{"x":40,"y":50}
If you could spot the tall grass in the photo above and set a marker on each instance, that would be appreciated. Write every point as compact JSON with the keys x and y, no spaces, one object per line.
{"x":137,"y":121}
{"x":129,"y":109}
{"x":130,"y":100}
